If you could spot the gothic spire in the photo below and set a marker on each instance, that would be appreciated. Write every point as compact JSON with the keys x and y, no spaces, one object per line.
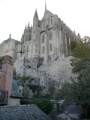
{"x":10,"y":36}
{"x":45,"y":5}
{"x":28,"y":24}
{"x":36,"y":14}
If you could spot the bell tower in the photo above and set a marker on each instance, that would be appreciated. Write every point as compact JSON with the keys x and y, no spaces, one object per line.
{"x":36,"y":35}
{"x":35,"y":19}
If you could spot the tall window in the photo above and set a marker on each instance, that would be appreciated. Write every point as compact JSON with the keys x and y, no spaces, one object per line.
{"x":43,"y":38}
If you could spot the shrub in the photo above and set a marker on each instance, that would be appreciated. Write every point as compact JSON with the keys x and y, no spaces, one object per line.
{"x":43,"y":104}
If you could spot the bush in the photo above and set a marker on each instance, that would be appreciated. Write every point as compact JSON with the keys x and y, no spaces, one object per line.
{"x":43,"y":104}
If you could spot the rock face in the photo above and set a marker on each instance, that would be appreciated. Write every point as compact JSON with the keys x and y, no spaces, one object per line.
{"x":6,"y":75}
{"x":30,"y":112}
{"x":60,"y":69}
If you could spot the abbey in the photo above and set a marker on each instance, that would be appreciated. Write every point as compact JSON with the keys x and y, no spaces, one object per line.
{"x":48,"y":38}
{"x":43,"y":53}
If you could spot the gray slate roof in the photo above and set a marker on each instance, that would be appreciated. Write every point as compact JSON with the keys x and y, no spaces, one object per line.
{"x":31,"y":112}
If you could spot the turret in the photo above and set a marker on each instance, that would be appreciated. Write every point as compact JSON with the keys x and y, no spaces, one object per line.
{"x":10,"y":36}
{"x":35,"y":19}
{"x":27,"y":34}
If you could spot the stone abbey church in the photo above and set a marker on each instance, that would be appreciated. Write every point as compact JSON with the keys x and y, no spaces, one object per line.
{"x":42,"y":54}
{"x":49,"y":38}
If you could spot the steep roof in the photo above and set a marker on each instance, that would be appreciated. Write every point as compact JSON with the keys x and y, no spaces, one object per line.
{"x":47,"y":14}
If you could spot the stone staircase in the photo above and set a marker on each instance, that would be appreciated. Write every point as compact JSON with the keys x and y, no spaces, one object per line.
{"x":22,"y":112}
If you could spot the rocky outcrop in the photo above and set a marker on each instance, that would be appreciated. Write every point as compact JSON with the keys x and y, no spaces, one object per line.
{"x":30,"y":112}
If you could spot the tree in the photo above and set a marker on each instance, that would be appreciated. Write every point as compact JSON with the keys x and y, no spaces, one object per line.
{"x":24,"y":79}
{"x":79,"y":88}
{"x":80,"y":50}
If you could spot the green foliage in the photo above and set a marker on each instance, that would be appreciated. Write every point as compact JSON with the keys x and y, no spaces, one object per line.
{"x":79,"y":88}
{"x":24,"y":79}
{"x":81,"y":50}
{"x":81,"y":66}
{"x":65,"y":91}
{"x":82,"y":85}
{"x":44,"y":104}
{"x":73,"y":44}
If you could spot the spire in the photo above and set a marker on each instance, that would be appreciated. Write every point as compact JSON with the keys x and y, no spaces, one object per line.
{"x":45,"y":5}
{"x":28,"y":24}
{"x":10,"y":36}
{"x":25,"y":27}
{"x":36,"y":14}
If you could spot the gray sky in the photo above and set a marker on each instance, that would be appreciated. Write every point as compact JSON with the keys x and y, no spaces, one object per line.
{"x":15,"y":14}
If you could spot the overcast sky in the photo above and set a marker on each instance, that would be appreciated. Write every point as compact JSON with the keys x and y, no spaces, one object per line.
{"x":15,"y":14}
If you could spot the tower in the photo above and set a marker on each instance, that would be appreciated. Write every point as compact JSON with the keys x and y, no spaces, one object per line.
{"x":35,"y":19}
{"x":36,"y":35}
{"x":10,"y":36}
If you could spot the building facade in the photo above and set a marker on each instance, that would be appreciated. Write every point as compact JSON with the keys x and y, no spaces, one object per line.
{"x":47,"y":41}
{"x":48,"y":38}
